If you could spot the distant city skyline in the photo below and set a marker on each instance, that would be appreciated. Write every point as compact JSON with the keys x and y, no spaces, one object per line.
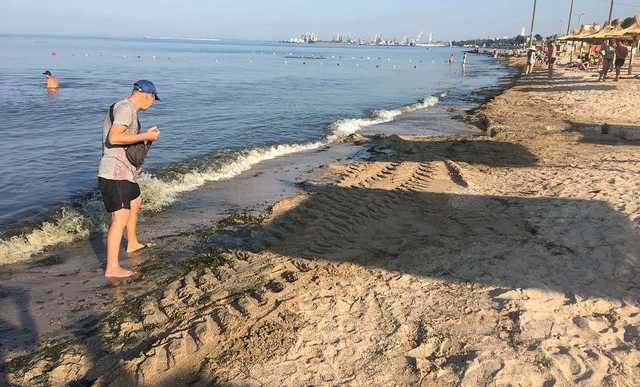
{"x":282,"y":19}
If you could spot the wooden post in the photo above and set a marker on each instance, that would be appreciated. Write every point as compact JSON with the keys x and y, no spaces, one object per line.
{"x":570,"y":15}
{"x":610,"y":11}
{"x":533,"y":20}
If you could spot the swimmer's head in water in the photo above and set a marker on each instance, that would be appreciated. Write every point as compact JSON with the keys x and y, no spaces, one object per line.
{"x":52,"y":82}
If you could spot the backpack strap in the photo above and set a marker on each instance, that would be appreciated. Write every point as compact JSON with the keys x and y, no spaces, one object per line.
{"x":105,"y":141}
{"x":111,"y":118}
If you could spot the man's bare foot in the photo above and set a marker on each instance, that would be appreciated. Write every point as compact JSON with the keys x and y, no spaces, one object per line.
{"x":118,"y":272}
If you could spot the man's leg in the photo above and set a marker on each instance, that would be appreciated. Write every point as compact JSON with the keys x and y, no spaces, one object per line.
{"x":132,"y":237}
{"x":618,"y":72}
{"x":119,"y":221}
{"x":604,"y":67}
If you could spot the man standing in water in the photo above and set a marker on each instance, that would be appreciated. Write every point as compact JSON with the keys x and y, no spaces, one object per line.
{"x":464,"y":62}
{"x":117,"y":176}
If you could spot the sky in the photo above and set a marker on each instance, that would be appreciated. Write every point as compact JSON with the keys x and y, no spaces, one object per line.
{"x":281,"y":19}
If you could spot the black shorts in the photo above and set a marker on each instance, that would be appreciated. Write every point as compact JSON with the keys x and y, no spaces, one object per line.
{"x":620,"y":62}
{"x":118,"y":194}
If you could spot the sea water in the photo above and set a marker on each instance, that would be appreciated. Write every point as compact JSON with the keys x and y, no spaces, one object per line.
{"x":225,"y":106}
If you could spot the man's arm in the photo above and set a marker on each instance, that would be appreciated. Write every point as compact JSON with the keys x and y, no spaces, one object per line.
{"x":117,"y":135}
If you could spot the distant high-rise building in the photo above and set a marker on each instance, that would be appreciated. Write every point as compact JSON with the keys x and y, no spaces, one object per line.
{"x":430,"y":37}
{"x":523,"y":31}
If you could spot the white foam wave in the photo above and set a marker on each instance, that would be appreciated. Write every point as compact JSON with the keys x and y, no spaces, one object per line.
{"x":77,"y":223}
{"x":159,"y":193}
{"x":69,"y":226}
{"x":74,"y":224}
{"x":346,"y":127}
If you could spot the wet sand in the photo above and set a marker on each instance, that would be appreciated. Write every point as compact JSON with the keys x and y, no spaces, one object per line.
{"x":464,"y":260}
{"x":61,"y":288}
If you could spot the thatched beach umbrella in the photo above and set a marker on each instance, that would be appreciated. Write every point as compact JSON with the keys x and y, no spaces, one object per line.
{"x":629,"y":28}
{"x":580,"y":36}
{"x":615,"y":26}
{"x":586,"y":32}
{"x":572,"y":33}
{"x":583,"y":35}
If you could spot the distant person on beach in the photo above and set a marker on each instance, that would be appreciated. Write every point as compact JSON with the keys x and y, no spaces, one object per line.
{"x":607,"y":61}
{"x":117,"y":176}
{"x":552,"y":54}
{"x":531,"y":60}
{"x":52,"y":82}
{"x":452,"y":59}
{"x":621,"y":56}
{"x":464,"y":62}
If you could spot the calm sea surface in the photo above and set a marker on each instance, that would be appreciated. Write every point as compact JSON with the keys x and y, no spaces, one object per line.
{"x":219,"y":100}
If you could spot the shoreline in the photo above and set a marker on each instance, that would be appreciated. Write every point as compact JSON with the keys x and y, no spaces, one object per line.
{"x":75,"y":220}
{"x":436,"y":260}
{"x":59,"y":261}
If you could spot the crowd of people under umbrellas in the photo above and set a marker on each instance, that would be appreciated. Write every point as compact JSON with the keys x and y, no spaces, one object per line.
{"x":611,"y":56}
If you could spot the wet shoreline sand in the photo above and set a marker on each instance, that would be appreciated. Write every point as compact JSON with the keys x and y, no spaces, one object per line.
{"x":435,"y":261}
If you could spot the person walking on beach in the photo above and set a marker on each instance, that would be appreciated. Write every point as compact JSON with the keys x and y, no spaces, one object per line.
{"x":531,"y":60}
{"x":52,"y":82}
{"x":464,"y":62}
{"x":552,"y":54}
{"x":452,"y":59}
{"x":117,"y":176}
{"x":621,"y":56}
{"x":607,"y":61}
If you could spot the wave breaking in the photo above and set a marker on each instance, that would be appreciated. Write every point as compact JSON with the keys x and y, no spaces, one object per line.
{"x":78,"y":221}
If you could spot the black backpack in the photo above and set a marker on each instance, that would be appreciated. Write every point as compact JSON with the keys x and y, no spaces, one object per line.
{"x":136,"y":153}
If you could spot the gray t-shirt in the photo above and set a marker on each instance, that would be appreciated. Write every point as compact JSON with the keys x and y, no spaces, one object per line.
{"x":608,"y":52}
{"x":114,"y":164}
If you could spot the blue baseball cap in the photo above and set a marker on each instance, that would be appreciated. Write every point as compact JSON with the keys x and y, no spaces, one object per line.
{"x":146,"y":87}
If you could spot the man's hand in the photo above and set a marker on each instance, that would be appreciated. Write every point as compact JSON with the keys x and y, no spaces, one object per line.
{"x":138,"y":172}
{"x":153,"y":134}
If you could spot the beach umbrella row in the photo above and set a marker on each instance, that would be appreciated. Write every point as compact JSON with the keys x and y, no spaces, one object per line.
{"x":629,"y":28}
{"x":582,"y":34}
{"x":632,"y":31}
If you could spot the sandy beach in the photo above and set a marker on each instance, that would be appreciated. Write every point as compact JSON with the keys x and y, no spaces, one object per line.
{"x":511,"y":258}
